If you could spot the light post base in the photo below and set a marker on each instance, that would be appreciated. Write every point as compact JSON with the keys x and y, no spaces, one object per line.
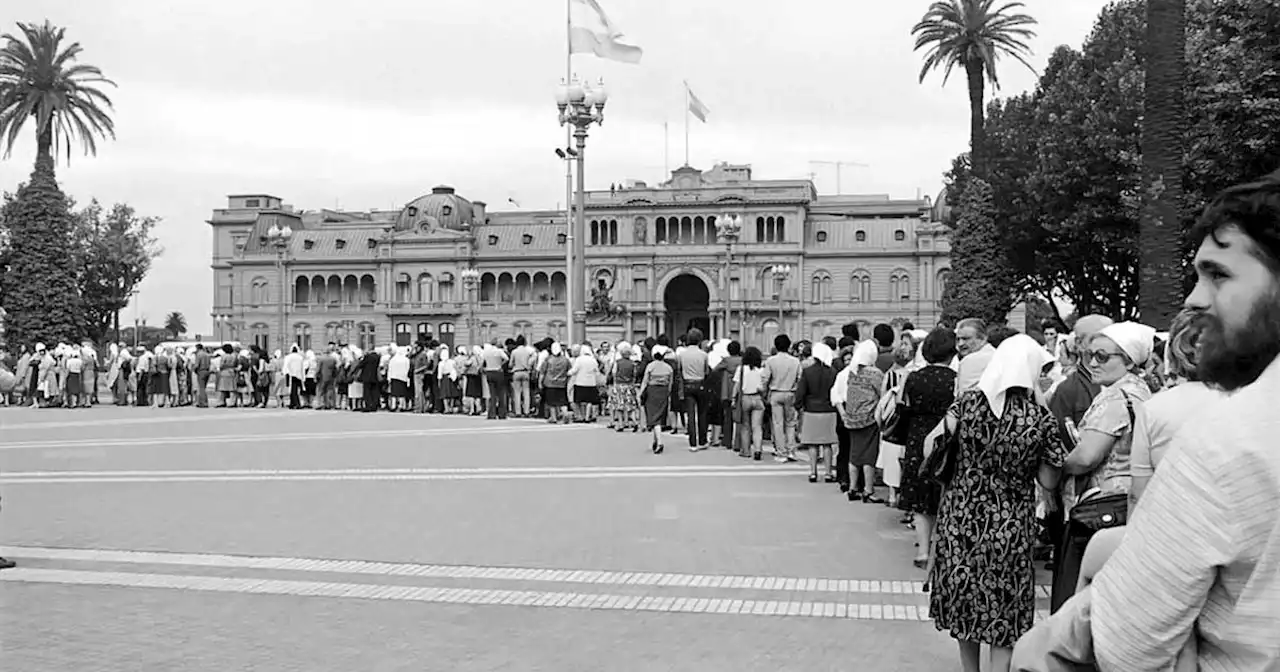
{"x":578,"y":332}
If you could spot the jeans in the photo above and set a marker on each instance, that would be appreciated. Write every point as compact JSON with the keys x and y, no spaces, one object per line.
{"x":497,"y":394}
{"x":750,"y":432}
{"x":842,"y":452}
{"x":782,"y":408}
{"x":695,"y":408}
{"x":202,"y":389}
{"x":520,"y":385}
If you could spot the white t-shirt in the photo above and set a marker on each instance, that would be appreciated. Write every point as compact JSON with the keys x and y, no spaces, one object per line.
{"x":752,"y":380}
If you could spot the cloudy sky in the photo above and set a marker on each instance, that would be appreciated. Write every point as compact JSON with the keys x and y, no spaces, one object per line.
{"x":330,"y":103}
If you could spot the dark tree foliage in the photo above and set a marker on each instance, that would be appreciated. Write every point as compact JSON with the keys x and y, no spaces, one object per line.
{"x":981,"y":282}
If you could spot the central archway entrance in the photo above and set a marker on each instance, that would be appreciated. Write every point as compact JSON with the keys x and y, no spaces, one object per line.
{"x":688,"y":303}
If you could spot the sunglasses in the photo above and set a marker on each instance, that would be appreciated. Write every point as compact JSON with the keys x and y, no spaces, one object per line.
{"x":1101,"y":357}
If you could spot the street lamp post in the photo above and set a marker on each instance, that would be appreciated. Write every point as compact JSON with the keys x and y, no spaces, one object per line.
{"x":278,"y":238}
{"x":780,"y":274}
{"x":220,"y":321}
{"x":580,"y":106}
{"x":470,"y":278}
{"x":728,"y":228}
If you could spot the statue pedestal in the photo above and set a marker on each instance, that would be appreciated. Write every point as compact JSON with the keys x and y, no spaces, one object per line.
{"x":612,"y":330}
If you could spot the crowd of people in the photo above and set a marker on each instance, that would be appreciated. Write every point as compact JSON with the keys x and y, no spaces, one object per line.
{"x":1142,"y":466}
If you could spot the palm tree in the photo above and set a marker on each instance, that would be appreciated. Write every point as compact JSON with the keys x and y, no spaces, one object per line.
{"x":973,"y":35}
{"x":175,"y":323}
{"x":1163,"y":127}
{"x":40,"y":80}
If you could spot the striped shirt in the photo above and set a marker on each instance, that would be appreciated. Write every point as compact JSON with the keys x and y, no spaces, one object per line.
{"x":1202,"y":551}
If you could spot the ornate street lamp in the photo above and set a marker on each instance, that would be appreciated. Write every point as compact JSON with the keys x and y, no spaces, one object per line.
{"x":278,"y":238}
{"x":580,"y":106}
{"x":470,"y":278}
{"x":220,"y":322}
{"x":780,"y":274}
{"x":728,"y":229}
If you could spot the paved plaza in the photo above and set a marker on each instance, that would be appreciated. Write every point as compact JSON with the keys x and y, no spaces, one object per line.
{"x":212,"y":539}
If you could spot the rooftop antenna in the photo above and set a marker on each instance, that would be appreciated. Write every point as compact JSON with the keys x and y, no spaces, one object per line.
{"x":838,"y":165}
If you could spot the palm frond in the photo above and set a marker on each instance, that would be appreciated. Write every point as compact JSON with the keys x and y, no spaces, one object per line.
{"x":959,"y":32}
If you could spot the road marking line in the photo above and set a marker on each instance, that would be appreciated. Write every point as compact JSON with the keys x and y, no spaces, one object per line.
{"x":213,"y":477}
{"x":393,"y":471}
{"x":154,"y":420}
{"x":496,"y":573}
{"x":267,"y":437}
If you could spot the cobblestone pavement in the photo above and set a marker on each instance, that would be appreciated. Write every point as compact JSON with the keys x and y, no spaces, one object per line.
{"x":211,"y":539}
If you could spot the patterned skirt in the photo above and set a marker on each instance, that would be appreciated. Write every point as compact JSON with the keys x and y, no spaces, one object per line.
{"x":623,"y":397}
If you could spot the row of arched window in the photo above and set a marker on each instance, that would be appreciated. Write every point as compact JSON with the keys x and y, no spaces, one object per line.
{"x":322,"y":291}
{"x":522,"y":288}
{"x":604,"y":232}
{"x":702,"y":230}
{"x":821,"y":286}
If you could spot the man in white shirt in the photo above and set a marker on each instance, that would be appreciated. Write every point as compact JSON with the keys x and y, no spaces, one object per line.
{"x":1200,"y":558}
{"x":975,"y":353}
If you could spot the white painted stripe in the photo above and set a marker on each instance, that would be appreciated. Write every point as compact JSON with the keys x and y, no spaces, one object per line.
{"x":267,"y":437}
{"x":214,"y":477}
{"x":495,"y":573}
{"x":399,"y":470}
{"x":465,"y":595}
{"x":176,"y":416}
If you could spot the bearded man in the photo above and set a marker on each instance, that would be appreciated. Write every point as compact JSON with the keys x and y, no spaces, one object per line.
{"x":1200,"y":560}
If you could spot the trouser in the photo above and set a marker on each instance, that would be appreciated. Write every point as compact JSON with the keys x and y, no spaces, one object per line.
{"x":520,"y":386}
{"x":142,"y":397}
{"x":695,"y":409}
{"x":842,"y":452}
{"x":782,"y":412}
{"x":1066,"y":568}
{"x":372,"y":397}
{"x":202,"y":389}
{"x":295,"y":392}
{"x":727,"y":425}
{"x":497,"y":394}
{"x":420,"y":393}
{"x":326,"y":394}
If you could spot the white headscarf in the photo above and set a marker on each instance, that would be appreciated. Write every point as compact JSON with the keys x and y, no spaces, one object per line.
{"x":823,"y":353}
{"x":865,"y":354}
{"x":1134,"y":339}
{"x":556,"y":350}
{"x":1016,"y":363}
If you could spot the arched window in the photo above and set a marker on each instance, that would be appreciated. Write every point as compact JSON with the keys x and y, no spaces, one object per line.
{"x":557,"y":287}
{"x":613,"y":232}
{"x":555,"y":329}
{"x":900,"y":286}
{"x":334,"y":292}
{"x":699,"y":231}
{"x":424,"y":331}
{"x":261,"y":335}
{"x":426,"y":288}
{"x":488,"y":331}
{"x":860,"y":236}
{"x":943,"y":279}
{"x":522,"y":328}
{"x":524,"y":286}
{"x":760,"y":232}
{"x":331,"y":330}
{"x":446,"y":333}
{"x":595,"y":232}
{"x":302,"y":335}
{"x":488,"y":288}
{"x":686,"y":230}
{"x":368,"y":291}
{"x":301,"y":291}
{"x":318,"y":291}
{"x":403,"y":333}
{"x":541,"y":287}
{"x":258,"y":291}
{"x":768,"y":330}
{"x":660,"y":230}
{"x":506,"y":288}
{"x":780,"y":229}
{"x":820,"y":287}
{"x":368,"y":336}
{"x":350,"y":291}
{"x":860,"y":287}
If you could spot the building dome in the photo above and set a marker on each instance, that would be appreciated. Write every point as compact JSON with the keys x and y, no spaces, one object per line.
{"x":442,"y":208}
{"x":941,"y":210}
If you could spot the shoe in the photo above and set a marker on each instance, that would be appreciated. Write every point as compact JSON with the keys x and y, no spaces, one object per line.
{"x":831,"y":478}
{"x":844,"y":487}
{"x":813,"y":478}
{"x":757,"y":456}
{"x":854,"y":495}
{"x":871,"y":499}
{"x":920,"y":563}
{"x":5,"y":563}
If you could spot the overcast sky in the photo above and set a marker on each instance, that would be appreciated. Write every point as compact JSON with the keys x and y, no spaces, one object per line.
{"x":363,"y":105}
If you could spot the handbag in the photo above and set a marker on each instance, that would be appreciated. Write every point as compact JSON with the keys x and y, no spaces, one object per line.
{"x":940,"y":465}
{"x":1099,"y":512}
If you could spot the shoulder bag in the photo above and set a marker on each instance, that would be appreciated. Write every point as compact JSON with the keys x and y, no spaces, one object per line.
{"x":1099,"y":512}
{"x":940,"y":465}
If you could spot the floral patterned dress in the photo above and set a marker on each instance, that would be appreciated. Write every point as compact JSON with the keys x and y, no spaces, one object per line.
{"x":929,"y":392}
{"x":984,"y":582}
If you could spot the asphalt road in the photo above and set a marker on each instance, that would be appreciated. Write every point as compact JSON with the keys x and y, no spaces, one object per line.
{"x":246,"y":539}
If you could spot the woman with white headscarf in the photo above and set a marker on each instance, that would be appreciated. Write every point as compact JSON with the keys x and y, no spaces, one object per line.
{"x":555,"y":384}
{"x":469,"y":363}
{"x":1098,"y":465}
{"x":583,"y":376}
{"x":447,"y":375}
{"x":398,"y":379}
{"x":1005,"y":441}
{"x":858,"y":413}
{"x":818,"y":415}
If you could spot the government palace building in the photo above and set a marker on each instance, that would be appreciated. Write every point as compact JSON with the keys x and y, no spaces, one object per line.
{"x":652,"y":253}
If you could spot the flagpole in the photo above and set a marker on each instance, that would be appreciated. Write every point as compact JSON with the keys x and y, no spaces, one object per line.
{"x":686,"y":123}
{"x":570,"y":281}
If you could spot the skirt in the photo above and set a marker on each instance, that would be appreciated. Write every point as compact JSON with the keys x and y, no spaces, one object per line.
{"x":586,"y":395}
{"x":864,"y":446}
{"x":73,"y":384}
{"x":449,"y":388}
{"x":622,"y":397}
{"x":355,"y":390}
{"x":555,"y":397}
{"x":399,"y":388}
{"x":890,"y":461}
{"x":227,"y":380}
{"x":474,"y":388}
{"x":656,"y":399}
{"x":818,"y":429}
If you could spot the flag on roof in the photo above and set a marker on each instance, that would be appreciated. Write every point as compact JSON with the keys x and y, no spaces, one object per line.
{"x":591,"y":32}
{"x":696,"y":107}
